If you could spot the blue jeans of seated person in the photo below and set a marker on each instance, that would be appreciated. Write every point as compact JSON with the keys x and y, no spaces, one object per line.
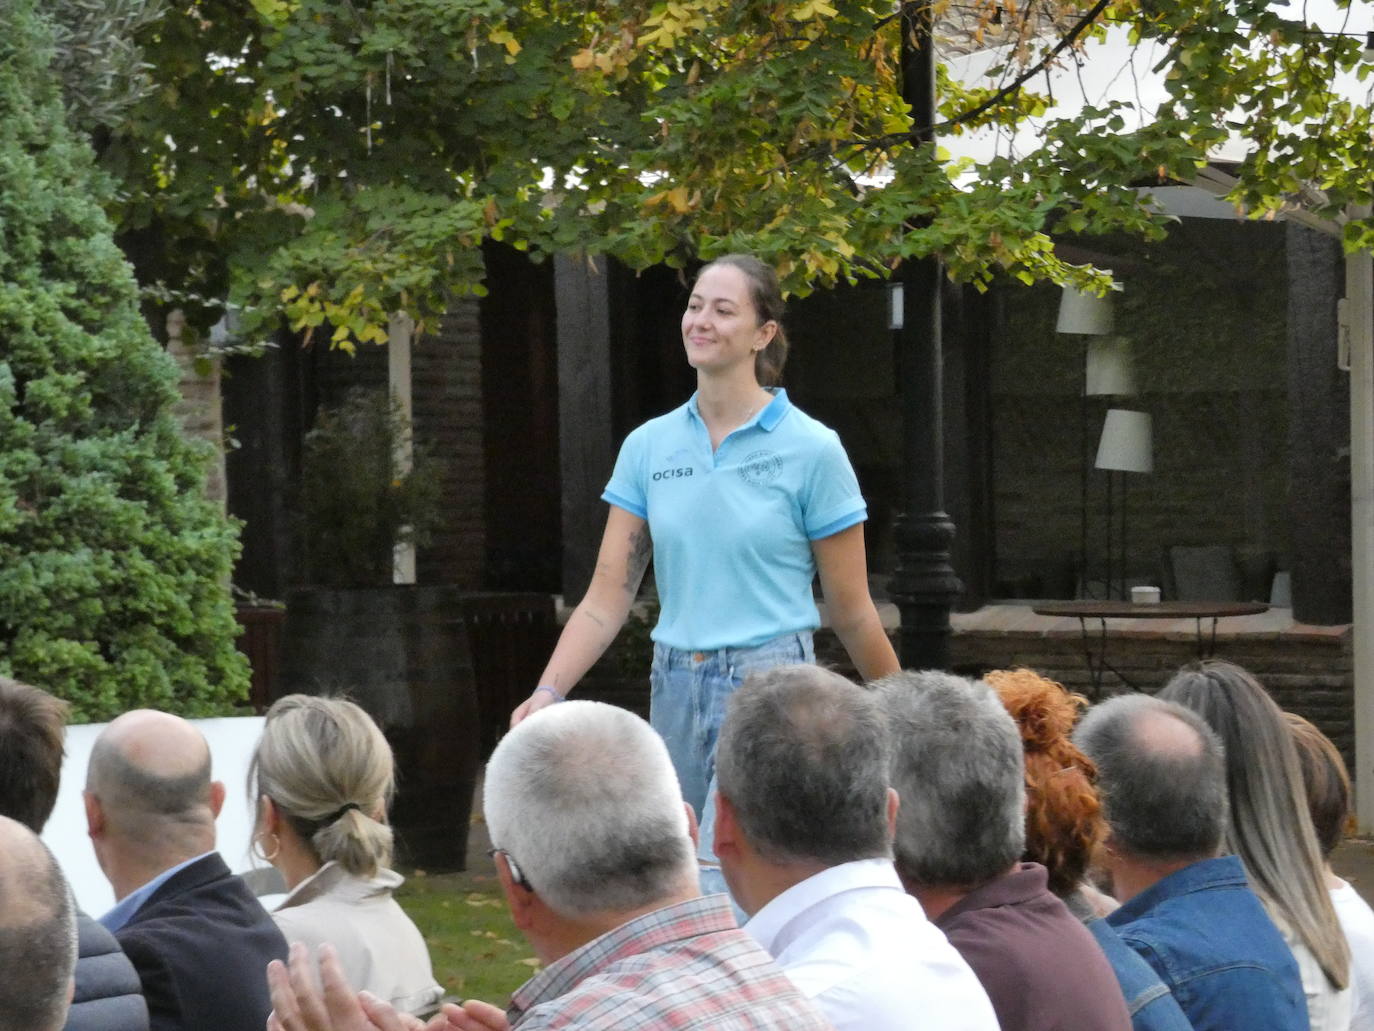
{"x":687,"y":705}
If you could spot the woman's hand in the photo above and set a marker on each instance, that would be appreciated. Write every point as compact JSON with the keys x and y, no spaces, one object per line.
{"x":541,"y":698}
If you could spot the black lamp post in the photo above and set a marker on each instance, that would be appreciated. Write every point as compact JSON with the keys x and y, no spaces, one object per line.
{"x":923,"y":585}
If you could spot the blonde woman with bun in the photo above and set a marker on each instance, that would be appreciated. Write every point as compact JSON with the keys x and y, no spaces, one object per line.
{"x":323,"y":777}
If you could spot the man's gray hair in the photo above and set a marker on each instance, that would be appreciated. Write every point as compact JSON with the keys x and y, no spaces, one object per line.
{"x":803,"y":759}
{"x":1161,"y":772}
{"x":583,"y":798}
{"x":37,"y":934}
{"x":960,"y":771}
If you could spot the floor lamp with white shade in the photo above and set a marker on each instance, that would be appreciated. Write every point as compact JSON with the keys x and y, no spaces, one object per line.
{"x":1126,"y":446}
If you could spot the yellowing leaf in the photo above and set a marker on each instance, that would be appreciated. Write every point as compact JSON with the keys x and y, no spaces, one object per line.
{"x":504,"y":37}
{"x":678,"y":198}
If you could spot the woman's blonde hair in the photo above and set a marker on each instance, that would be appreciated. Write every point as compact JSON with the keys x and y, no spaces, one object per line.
{"x":328,"y":769}
{"x":1270,"y":828}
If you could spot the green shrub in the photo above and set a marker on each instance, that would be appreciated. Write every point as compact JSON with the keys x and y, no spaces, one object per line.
{"x":114,"y":568}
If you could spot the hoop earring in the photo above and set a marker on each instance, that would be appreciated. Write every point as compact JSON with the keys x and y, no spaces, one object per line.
{"x":258,"y":851}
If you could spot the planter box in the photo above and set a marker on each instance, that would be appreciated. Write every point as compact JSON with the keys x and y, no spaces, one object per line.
{"x":402,"y":653}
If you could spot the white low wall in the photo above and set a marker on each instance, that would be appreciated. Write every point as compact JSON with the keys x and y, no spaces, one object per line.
{"x":231,"y":747}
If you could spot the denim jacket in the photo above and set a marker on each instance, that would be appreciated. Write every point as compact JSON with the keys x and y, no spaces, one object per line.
{"x":1152,"y":1006}
{"x":1209,"y":939}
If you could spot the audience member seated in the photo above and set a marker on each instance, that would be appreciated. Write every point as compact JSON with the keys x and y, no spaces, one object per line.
{"x":323,"y":776}
{"x":1328,"y":800}
{"x":32,"y":726}
{"x":960,"y":836}
{"x":596,"y":856}
{"x":804,"y":824}
{"x":1064,"y":827}
{"x":1189,"y":912}
{"x":1270,"y":830}
{"x":196,"y":935}
{"x":37,"y":933}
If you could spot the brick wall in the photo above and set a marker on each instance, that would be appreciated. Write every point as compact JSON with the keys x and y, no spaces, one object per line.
{"x":198,"y":410}
{"x":446,"y":394}
{"x":446,"y":374}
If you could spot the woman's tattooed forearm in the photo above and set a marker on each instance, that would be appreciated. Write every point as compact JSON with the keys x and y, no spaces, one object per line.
{"x":641,"y":550}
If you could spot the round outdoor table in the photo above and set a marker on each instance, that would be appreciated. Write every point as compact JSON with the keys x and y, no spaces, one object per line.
{"x":1105,"y":610}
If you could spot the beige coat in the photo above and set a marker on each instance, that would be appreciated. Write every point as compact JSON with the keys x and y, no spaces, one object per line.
{"x":380,"y":948}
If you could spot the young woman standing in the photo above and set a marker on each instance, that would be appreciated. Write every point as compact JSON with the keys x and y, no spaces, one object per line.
{"x":741,"y":499}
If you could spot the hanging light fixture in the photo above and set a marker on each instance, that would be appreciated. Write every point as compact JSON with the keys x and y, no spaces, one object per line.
{"x":1127,"y":443}
{"x":1084,"y":313}
{"x":1110,"y":368}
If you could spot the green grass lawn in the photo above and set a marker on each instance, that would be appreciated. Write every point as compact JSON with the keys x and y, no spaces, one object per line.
{"x":476,"y":951}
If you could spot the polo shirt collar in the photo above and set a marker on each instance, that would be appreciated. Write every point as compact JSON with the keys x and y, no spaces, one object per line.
{"x":767,"y":418}
{"x":1026,"y":882}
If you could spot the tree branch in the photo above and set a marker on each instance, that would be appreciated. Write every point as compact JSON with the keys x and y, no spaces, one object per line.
{"x":1015,"y":85}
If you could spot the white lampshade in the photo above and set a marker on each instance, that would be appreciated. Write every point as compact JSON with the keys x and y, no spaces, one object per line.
{"x":1084,"y":313}
{"x":1127,"y":442}
{"x":1110,"y":367}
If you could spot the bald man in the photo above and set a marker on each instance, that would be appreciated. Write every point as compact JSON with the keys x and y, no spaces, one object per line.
{"x":196,"y":935}
{"x":37,"y":933}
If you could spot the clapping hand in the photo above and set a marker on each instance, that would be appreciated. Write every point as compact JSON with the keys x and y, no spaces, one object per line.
{"x":300,"y":1004}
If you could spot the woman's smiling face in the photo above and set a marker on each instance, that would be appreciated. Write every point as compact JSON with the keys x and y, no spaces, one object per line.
{"x":720,"y":328}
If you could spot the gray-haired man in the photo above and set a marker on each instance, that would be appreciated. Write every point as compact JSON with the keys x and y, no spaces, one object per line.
{"x":597,"y":859}
{"x":960,"y":770}
{"x":804,"y":834}
{"x":1189,"y":912}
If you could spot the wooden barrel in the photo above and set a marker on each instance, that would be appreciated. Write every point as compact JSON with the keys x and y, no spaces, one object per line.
{"x":402,"y":653}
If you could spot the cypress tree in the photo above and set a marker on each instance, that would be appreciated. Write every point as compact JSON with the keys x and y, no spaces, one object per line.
{"x":113,"y":565}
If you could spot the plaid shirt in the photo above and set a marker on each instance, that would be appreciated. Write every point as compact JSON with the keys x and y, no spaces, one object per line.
{"x":684,"y":966}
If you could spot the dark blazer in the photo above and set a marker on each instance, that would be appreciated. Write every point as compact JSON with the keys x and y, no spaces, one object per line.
{"x":108,"y":996}
{"x":201,"y":944}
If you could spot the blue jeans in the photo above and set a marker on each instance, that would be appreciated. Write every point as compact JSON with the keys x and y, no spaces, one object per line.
{"x":687,"y":705}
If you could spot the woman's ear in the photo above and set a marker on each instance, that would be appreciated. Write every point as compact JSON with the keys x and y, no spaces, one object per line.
{"x":269,"y":819}
{"x":767,"y":332}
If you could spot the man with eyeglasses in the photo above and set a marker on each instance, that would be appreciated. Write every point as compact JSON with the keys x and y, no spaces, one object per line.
{"x":596,"y":856}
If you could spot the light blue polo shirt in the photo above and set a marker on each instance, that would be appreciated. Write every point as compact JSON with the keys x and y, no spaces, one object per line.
{"x":732,"y":530}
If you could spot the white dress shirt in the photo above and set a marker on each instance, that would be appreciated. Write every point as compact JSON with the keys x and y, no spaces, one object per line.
{"x":1357,"y":920}
{"x":862,"y":949}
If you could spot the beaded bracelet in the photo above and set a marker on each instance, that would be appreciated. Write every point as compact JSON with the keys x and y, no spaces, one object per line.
{"x":552,"y":690}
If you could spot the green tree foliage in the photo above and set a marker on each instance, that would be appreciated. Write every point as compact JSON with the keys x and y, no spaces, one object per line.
{"x":94,"y":57}
{"x":345,"y":159}
{"x":113,"y":566}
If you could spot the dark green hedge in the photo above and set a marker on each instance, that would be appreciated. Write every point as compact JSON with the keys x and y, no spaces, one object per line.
{"x":113,"y":567}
